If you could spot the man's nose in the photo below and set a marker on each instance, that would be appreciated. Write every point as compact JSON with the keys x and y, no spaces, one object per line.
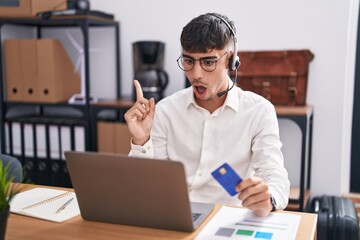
{"x":197,"y":70}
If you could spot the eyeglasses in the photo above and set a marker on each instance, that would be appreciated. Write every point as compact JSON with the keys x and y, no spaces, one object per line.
{"x":187,"y":63}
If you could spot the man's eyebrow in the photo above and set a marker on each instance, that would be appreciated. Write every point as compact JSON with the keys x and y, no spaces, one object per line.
{"x":208,"y":57}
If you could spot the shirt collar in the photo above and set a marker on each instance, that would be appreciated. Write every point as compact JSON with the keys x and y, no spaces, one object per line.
{"x":231,"y":100}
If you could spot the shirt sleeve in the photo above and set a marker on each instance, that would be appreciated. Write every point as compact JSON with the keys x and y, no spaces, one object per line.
{"x":145,"y":151}
{"x":268,"y":160}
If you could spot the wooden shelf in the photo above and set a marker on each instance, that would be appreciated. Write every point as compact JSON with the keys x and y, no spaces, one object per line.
{"x":294,"y":195}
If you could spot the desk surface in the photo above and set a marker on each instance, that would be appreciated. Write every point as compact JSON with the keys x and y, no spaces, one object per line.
{"x":22,"y":227}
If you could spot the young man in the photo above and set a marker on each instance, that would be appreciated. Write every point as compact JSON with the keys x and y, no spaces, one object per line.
{"x":213,"y":122}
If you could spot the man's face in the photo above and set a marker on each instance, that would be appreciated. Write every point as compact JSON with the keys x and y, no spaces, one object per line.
{"x":207,"y":84}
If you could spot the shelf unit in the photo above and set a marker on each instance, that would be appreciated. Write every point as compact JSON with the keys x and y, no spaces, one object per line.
{"x":84,"y":22}
{"x":303,"y":117}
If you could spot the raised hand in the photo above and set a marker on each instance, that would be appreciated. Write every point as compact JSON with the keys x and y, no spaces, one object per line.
{"x":140,"y":117}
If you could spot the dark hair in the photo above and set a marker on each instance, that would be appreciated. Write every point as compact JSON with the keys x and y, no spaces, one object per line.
{"x":206,"y":32}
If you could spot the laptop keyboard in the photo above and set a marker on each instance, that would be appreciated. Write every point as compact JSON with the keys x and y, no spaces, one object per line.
{"x":195,"y":216}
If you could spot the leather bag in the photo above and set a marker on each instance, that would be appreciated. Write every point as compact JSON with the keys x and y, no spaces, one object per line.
{"x":279,"y":76}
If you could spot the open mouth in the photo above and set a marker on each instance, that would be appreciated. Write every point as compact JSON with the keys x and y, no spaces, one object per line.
{"x":200,"y":90}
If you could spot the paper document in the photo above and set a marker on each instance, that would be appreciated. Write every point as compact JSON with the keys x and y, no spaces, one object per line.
{"x":46,"y":203}
{"x":241,"y":223}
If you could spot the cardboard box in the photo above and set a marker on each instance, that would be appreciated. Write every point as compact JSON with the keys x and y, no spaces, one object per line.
{"x":28,"y":8}
{"x":122,"y":138}
{"x":39,"y":70}
{"x":113,"y":137}
{"x":106,"y":137}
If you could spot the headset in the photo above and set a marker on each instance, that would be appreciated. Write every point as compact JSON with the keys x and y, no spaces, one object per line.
{"x":234,"y":62}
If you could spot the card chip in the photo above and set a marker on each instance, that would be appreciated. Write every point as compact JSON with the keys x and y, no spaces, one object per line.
{"x":222,"y":171}
{"x":227,"y":177}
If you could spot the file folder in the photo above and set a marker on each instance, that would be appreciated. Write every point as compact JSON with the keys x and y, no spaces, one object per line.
{"x":14,"y":86}
{"x":29,"y":68}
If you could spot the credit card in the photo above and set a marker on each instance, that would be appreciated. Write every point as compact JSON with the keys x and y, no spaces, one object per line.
{"x":227,"y":177}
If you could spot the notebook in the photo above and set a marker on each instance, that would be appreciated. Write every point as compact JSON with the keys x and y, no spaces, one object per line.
{"x":134,"y":191}
{"x":46,"y":203}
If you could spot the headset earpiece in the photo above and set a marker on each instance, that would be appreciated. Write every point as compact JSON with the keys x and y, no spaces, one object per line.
{"x":234,"y":62}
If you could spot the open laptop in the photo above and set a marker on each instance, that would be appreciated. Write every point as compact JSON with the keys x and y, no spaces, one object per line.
{"x":134,"y":191}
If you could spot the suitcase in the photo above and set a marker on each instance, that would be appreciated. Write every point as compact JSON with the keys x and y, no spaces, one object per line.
{"x":337,"y":218}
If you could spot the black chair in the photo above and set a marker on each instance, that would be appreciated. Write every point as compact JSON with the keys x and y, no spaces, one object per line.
{"x":15,"y":167}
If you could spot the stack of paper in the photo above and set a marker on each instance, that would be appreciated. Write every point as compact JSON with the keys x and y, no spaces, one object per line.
{"x":240,"y":223}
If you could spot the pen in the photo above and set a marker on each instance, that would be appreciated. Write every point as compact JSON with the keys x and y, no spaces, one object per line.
{"x":64,"y":205}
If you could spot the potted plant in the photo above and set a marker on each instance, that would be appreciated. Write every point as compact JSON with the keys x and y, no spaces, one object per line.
{"x":7,"y":192}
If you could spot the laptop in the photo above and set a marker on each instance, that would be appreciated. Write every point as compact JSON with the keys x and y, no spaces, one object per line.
{"x":119,"y":189}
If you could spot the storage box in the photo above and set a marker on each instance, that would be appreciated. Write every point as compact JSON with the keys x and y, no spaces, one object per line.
{"x":113,"y":137}
{"x":57,"y":77}
{"x":27,"y":8}
{"x":39,"y":70}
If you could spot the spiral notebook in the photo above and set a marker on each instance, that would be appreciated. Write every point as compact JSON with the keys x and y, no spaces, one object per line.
{"x":46,"y":203}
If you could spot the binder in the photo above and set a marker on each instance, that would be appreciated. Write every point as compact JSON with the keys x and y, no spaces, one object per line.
{"x":79,"y":138}
{"x":56,"y":173}
{"x":29,"y":140}
{"x":55,"y":151}
{"x":66,"y":146}
{"x":30,"y":162}
{"x":65,"y":140}
{"x":43,"y":164}
{"x":40,"y":141}
{"x":8,"y":144}
{"x":16,"y":139}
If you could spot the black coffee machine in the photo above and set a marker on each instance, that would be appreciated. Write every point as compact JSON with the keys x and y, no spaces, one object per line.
{"x":148,"y":68}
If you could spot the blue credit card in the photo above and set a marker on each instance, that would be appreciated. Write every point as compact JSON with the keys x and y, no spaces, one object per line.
{"x":227,"y":177}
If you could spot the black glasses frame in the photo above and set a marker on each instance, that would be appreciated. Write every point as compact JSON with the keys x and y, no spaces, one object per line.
{"x":179,"y":60}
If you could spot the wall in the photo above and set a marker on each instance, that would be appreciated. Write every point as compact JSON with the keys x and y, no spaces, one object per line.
{"x":327,"y":28}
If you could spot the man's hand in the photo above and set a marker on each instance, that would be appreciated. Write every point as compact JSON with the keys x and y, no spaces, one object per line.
{"x":140,"y":117}
{"x":254,"y":194}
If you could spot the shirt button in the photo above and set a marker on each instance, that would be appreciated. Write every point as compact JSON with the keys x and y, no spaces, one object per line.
{"x":143,"y":151}
{"x":200,"y":175}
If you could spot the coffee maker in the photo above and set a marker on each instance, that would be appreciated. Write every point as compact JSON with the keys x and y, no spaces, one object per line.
{"x":148,"y":59}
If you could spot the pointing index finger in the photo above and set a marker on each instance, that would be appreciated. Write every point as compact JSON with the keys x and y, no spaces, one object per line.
{"x":139,"y":92}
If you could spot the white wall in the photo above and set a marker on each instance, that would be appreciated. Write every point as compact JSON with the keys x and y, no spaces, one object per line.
{"x":327,"y":28}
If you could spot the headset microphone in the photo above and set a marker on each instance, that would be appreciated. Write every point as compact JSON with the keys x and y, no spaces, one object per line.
{"x":220,"y":94}
{"x":234,"y":62}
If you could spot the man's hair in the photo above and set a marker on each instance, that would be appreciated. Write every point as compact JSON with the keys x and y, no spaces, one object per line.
{"x":207,"y":32}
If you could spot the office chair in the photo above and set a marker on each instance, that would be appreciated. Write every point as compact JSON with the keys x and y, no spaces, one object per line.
{"x":15,"y":167}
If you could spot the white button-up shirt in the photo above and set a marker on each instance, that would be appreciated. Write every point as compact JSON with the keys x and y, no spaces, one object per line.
{"x":243,"y":132}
